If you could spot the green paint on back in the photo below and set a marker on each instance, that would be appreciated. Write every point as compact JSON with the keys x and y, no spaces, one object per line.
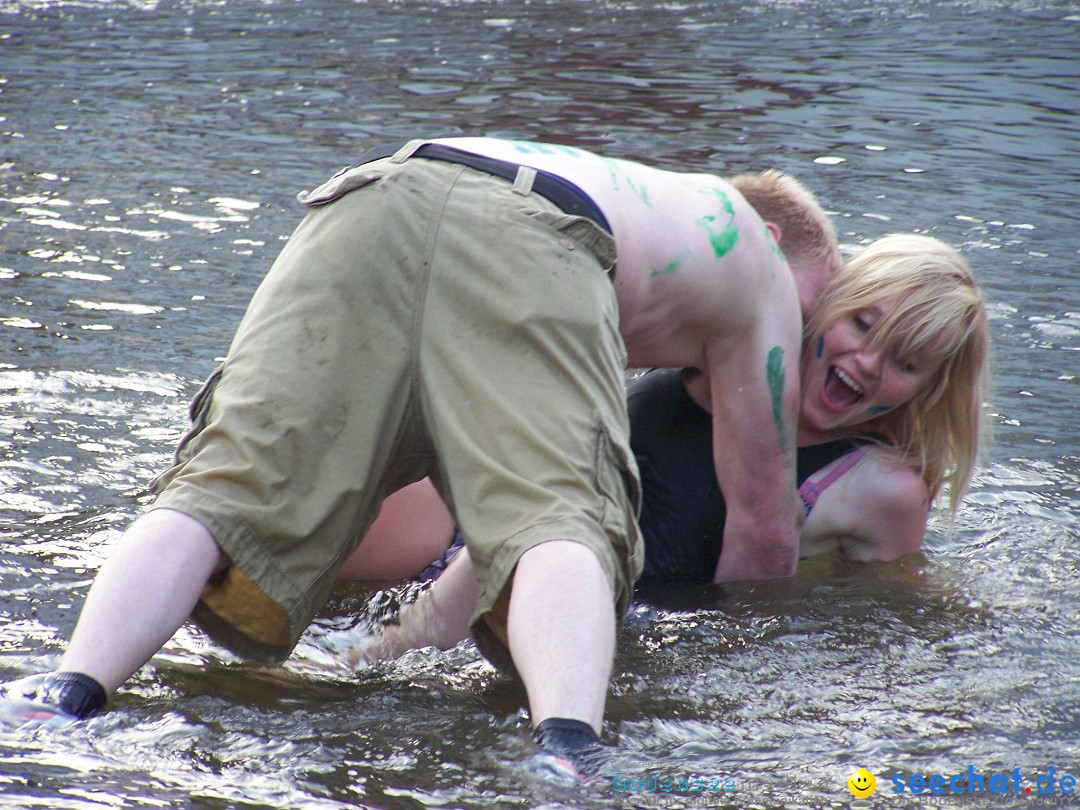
{"x":641,"y":190}
{"x":536,"y":148}
{"x":721,"y":229}
{"x":672,"y":267}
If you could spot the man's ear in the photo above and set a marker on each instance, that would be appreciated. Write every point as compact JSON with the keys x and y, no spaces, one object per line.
{"x":774,"y":229}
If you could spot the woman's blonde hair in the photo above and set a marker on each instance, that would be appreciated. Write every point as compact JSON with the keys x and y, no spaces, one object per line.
{"x":935,"y":313}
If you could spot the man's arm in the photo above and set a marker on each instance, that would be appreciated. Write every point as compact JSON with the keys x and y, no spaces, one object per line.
{"x":754,"y":388}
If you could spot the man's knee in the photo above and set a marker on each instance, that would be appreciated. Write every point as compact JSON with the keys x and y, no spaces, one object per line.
{"x":568,"y":560}
{"x":178,"y":534}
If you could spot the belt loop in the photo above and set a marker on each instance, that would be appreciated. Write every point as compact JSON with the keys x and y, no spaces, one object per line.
{"x":406,"y":152}
{"x":523,"y":182}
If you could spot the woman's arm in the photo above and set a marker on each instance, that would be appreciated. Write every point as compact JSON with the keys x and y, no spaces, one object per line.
{"x":877,"y":511}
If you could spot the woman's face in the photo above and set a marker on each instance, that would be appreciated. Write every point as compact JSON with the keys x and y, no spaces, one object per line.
{"x":847,"y":383}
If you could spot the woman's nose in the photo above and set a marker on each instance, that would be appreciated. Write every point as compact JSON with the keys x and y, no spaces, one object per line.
{"x":869,"y":360}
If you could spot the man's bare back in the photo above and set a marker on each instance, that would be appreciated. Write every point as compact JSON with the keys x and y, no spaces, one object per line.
{"x":696,"y":263}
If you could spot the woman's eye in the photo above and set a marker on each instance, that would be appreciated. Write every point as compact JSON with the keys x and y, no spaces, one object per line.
{"x":862,"y":322}
{"x":907,"y":366}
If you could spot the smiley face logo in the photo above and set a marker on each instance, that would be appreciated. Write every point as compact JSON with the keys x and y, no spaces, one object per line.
{"x":862,"y":783}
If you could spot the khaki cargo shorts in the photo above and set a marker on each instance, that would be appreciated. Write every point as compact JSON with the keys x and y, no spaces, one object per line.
{"x":424,"y":319}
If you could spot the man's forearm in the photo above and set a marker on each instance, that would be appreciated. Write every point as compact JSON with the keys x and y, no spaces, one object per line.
{"x":757,"y":550}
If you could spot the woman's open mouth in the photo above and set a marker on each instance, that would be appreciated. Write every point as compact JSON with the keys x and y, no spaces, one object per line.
{"x":841,"y":391}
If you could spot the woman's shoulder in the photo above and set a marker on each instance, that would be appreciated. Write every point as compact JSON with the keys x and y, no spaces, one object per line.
{"x":877,"y":511}
{"x":888,"y":483}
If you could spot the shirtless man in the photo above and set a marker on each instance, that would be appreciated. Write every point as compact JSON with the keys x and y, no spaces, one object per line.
{"x":452,"y":308}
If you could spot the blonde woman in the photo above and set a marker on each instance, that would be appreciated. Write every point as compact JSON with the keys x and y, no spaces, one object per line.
{"x":892,"y":382}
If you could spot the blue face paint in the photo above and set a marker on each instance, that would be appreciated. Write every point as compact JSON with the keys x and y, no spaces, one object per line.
{"x":821,"y":346}
{"x":878,"y":409}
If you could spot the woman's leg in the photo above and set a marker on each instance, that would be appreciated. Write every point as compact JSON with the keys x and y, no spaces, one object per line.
{"x":438,"y":618}
{"x":414,"y":528}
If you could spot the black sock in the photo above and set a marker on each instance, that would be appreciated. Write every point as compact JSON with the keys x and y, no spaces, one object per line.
{"x":573,"y":740}
{"x":74,"y":693}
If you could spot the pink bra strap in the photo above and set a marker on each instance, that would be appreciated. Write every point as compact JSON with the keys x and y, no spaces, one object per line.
{"x":811,"y":490}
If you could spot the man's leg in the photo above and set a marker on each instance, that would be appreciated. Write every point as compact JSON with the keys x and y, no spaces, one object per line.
{"x":561,"y":628}
{"x":522,"y":381}
{"x":142,"y":595}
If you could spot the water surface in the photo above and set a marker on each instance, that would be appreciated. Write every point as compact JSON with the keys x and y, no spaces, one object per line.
{"x":149,"y":154}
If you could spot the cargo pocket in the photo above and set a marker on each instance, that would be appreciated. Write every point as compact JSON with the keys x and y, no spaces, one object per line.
{"x":614,"y":454}
{"x":198,"y":412}
{"x":617,"y":481}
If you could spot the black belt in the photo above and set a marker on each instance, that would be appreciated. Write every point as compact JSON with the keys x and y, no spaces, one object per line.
{"x":570,"y":199}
